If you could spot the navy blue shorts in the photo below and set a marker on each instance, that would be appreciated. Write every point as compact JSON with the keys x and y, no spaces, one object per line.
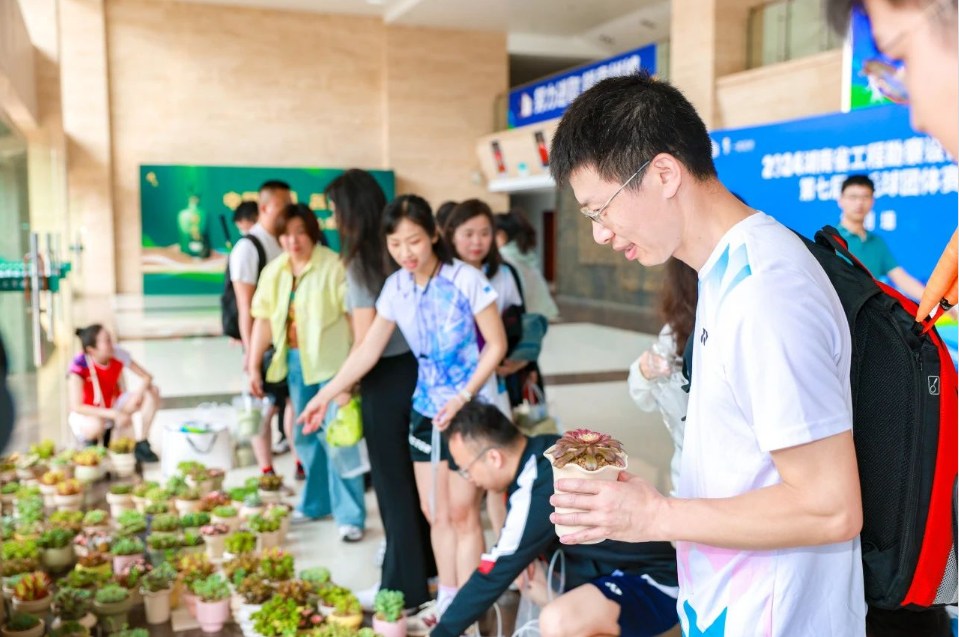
{"x":421,"y":440}
{"x":644,"y":609}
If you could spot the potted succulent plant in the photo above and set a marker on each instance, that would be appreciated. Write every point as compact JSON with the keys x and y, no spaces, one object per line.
{"x":87,"y":580}
{"x":120,"y":499}
{"x":267,"y":532}
{"x":388,"y":618}
{"x":238,"y":496}
{"x":56,"y":549}
{"x":226,"y":515}
{"x":347,"y":612}
{"x":239,"y":543}
{"x":213,"y":603}
{"x":252,"y":506}
{"x":270,"y":488}
{"x":63,"y":461}
{"x":95,"y":520}
{"x":252,"y":592}
{"x":199,"y":478}
{"x":111,"y":604}
{"x":215,"y":537}
{"x":191,"y":542}
{"x":216,"y":476}
{"x":96,"y":562}
{"x":165,"y":523}
{"x":32,"y":593}
{"x":318,"y":576}
{"x":8,"y":493}
{"x":193,"y":521}
{"x":74,"y":604}
{"x":155,"y":508}
{"x":130,"y":578}
{"x":23,"y":625}
{"x":70,"y":520}
{"x":48,"y":487}
{"x":126,"y":550}
{"x":155,"y":587}
{"x":87,"y":541}
{"x":329,"y":595}
{"x":29,"y":468}
{"x":162,"y":547}
{"x":121,"y":456}
{"x":131,"y":523}
{"x":192,"y":568}
{"x":70,"y":628}
{"x":239,"y":568}
{"x":276,"y":565}
{"x":69,"y":496}
{"x":44,"y":450}
{"x":215,"y":499}
{"x":87,"y":466}
{"x":585,"y":455}
{"x":188,"y":501}
{"x":276,"y":617}
{"x":296,"y":589}
{"x":281,"y":512}
{"x":140,"y":492}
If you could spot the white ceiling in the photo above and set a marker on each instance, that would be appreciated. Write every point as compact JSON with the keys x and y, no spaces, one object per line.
{"x":563,"y":28}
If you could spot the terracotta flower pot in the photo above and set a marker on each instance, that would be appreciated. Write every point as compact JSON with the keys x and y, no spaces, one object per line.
{"x":57,"y":559}
{"x":69,"y":502}
{"x":157,"y":606}
{"x":576,"y":472}
{"x":350,"y":621}
{"x":120,"y":562}
{"x":125,"y":464}
{"x":35,"y":607}
{"x":36,"y":631}
{"x":212,"y":615}
{"x":389,"y":629}
{"x":214,"y":546}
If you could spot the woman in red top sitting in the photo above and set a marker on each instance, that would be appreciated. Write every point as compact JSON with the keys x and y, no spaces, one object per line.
{"x":98,"y":401}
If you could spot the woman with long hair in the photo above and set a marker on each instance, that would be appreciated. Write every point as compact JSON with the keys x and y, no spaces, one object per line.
{"x":386,"y":391}
{"x":656,"y":378}
{"x":438,"y":303}
{"x":516,"y":239}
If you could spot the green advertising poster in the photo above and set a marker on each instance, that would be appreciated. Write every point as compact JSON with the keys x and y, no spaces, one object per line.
{"x":183,"y":210}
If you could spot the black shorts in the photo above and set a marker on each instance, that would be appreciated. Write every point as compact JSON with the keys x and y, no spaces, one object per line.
{"x":645,"y":610}
{"x":421,"y":440}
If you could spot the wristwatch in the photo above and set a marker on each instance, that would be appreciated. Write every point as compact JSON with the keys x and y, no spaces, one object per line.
{"x":465,"y":395}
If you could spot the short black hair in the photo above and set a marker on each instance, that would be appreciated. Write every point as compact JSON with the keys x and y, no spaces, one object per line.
{"x":246,"y":211}
{"x":622,"y":122}
{"x":858,"y":180}
{"x":274,"y":184}
{"x":418,"y":211}
{"x":301,"y":211}
{"x":443,"y":213}
{"x":88,"y":335}
{"x":518,"y":229}
{"x":483,"y":424}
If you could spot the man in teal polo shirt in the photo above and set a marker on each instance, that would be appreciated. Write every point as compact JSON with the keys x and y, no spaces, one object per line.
{"x":856,"y":202}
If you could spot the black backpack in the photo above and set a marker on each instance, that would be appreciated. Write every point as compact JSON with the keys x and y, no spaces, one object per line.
{"x":229,"y":315}
{"x":905,"y":429}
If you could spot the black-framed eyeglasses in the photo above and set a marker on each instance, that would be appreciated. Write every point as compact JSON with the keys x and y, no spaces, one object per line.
{"x":596,"y":215}
{"x":464,"y":472}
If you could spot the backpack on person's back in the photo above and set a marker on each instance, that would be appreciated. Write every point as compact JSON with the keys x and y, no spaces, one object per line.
{"x":229,"y":314}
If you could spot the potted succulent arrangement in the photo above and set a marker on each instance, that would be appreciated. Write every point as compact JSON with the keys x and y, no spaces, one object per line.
{"x":318,"y":577}
{"x":87,"y":541}
{"x":74,"y":604}
{"x":162,"y":547}
{"x":267,"y":532}
{"x":130,"y":578}
{"x":193,"y":521}
{"x":239,"y":543}
{"x":216,"y":476}
{"x":226,"y":515}
{"x":8,"y":493}
{"x":328,"y":596}
{"x":87,"y":580}
{"x":96,"y":562}
{"x":121,"y":456}
{"x":48,"y":487}
{"x":215,"y":499}
{"x":188,"y":501}
{"x":70,"y":629}
{"x":252,"y":506}
{"x":239,"y":568}
{"x":296,"y":589}
{"x":212,"y":604}
{"x":281,"y":512}
{"x":140,"y":492}
{"x":191,"y":542}
{"x":56,"y":549}
{"x":111,"y":604}
{"x":131,"y":523}
{"x":215,"y":537}
{"x":87,"y":463}
{"x":70,"y":520}
{"x":192,"y":568}
{"x":347,"y":611}
{"x":23,"y":625}
{"x":165,"y":523}
{"x":199,"y":478}
{"x":252,"y":592}
{"x":30,"y":468}
{"x":156,"y":587}
{"x":126,"y":550}
{"x":276,"y":565}
{"x":155,"y":508}
{"x":585,"y":455}
{"x":270,"y":488}
{"x":120,"y":498}
{"x":388,"y":618}
{"x":95,"y":520}
{"x":16,"y":560}
{"x":63,"y":461}
{"x":238,"y":496}
{"x":278,"y":616}
{"x":32,"y":593}
{"x":44,"y":450}
{"x":69,"y":496}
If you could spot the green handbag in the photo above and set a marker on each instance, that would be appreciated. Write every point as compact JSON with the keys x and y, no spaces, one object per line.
{"x":346,"y":429}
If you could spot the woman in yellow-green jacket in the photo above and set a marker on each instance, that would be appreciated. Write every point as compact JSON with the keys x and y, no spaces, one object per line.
{"x":299,"y":308}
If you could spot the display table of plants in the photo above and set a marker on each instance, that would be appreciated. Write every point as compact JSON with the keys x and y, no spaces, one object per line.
{"x":70,"y":568}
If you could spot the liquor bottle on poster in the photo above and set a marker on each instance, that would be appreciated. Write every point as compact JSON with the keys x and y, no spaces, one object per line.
{"x":192,"y":229}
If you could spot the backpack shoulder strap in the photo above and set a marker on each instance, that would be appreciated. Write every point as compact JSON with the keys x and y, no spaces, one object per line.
{"x":519,"y":283}
{"x":260,"y":252}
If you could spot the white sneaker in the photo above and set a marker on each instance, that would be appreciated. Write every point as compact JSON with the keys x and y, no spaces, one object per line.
{"x":297,"y":518}
{"x":380,"y":556}
{"x":283,"y":446}
{"x":368,"y":596}
{"x":350,"y":533}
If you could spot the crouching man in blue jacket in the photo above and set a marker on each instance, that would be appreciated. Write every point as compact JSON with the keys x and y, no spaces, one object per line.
{"x":614,"y":588}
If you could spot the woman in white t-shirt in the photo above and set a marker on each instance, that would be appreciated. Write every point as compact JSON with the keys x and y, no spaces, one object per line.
{"x":438,"y":303}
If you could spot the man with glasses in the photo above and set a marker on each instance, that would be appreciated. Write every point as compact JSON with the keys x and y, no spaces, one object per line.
{"x":614,"y":588}
{"x":768,"y":511}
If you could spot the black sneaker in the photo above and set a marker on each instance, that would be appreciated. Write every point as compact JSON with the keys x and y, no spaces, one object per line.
{"x":143,"y":453}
